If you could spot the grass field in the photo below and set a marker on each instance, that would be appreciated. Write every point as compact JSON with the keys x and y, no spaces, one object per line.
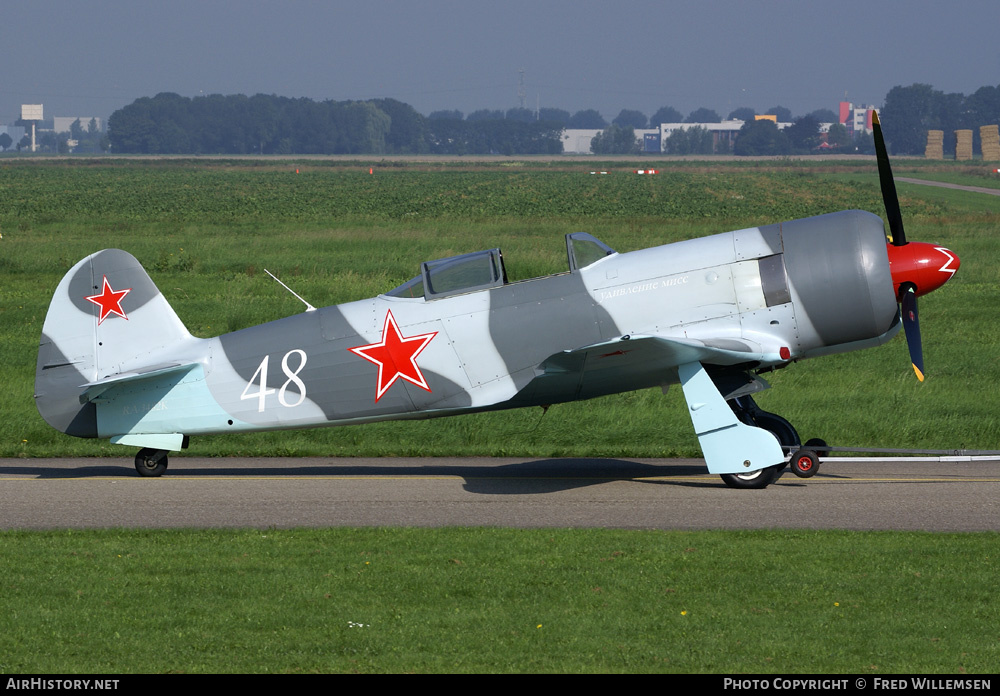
{"x":490,"y":600}
{"x":493,"y":600}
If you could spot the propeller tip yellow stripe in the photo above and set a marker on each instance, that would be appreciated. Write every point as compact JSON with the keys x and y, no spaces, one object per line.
{"x":920,"y":375}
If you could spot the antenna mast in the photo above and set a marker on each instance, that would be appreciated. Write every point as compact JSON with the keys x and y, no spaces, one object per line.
{"x":309,"y":307}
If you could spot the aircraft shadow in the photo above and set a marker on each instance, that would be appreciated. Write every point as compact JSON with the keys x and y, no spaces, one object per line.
{"x":528,"y":477}
{"x":551,"y":475}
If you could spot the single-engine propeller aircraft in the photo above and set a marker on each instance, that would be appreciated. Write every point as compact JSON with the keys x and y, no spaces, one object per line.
{"x":712,"y":314}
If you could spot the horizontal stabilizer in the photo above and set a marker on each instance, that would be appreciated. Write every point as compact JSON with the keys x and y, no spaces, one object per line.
{"x":93,"y":390}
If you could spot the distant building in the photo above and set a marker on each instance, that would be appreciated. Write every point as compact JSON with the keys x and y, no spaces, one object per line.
{"x":723,"y":134}
{"x":576,"y":141}
{"x":857,"y":118}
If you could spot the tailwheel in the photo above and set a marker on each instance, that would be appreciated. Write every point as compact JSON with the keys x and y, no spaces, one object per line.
{"x":804,"y":463}
{"x":762,"y":478}
{"x":151,"y":462}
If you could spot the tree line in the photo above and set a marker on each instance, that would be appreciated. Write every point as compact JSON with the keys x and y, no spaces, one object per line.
{"x":267,"y":124}
{"x":909,"y":112}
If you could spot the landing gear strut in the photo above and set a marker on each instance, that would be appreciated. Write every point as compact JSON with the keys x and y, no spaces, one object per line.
{"x":151,"y":462}
{"x":749,"y":413}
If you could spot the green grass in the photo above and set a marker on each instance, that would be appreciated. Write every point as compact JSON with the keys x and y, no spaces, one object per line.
{"x":494,"y":600}
{"x":206,"y":231}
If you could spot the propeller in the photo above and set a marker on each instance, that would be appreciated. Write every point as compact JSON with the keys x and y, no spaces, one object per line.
{"x":911,"y":327}
{"x":917,"y":268}
{"x":885,"y":180}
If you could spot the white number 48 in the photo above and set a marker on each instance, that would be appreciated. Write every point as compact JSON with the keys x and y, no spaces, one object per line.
{"x":260,"y":377}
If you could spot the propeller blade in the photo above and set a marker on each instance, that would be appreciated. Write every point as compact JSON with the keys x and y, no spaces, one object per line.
{"x":889,"y":196}
{"x":911,"y":326}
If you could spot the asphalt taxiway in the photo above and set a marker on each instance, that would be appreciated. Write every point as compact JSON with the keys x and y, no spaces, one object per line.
{"x":507,"y":492}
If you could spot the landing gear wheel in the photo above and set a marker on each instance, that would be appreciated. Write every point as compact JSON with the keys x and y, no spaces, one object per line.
{"x":749,"y":413}
{"x":761,"y":478}
{"x":804,"y":463}
{"x":151,"y":462}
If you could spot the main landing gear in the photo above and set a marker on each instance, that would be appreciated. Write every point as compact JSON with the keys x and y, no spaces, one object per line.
{"x":151,"y":462}
{"x":804,"y":460}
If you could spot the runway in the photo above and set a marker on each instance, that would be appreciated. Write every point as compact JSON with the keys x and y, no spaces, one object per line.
{"x":505,"y":492}
{"x":943,"y":184}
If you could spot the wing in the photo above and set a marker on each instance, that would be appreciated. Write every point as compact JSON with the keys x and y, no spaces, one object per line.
{"x":641,"y":361}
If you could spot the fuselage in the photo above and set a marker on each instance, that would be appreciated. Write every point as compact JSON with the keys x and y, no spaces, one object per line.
{"x":768,"y":295}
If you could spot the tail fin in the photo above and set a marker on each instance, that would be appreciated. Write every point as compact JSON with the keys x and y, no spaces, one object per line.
{"x":106,"y":317}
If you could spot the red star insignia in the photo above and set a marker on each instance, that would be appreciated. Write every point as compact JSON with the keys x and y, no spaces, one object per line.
{"x":396,"y":356}
{"x":110,"y":301}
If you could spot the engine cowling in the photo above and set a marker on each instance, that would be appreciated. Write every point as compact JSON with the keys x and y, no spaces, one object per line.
{"x":839,"y":272}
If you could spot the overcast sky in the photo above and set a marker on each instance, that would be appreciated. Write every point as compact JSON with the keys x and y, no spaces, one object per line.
{"x":90,"y":57}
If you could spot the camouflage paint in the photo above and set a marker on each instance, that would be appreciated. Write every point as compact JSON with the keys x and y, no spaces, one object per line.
{"x":626,"y":321}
